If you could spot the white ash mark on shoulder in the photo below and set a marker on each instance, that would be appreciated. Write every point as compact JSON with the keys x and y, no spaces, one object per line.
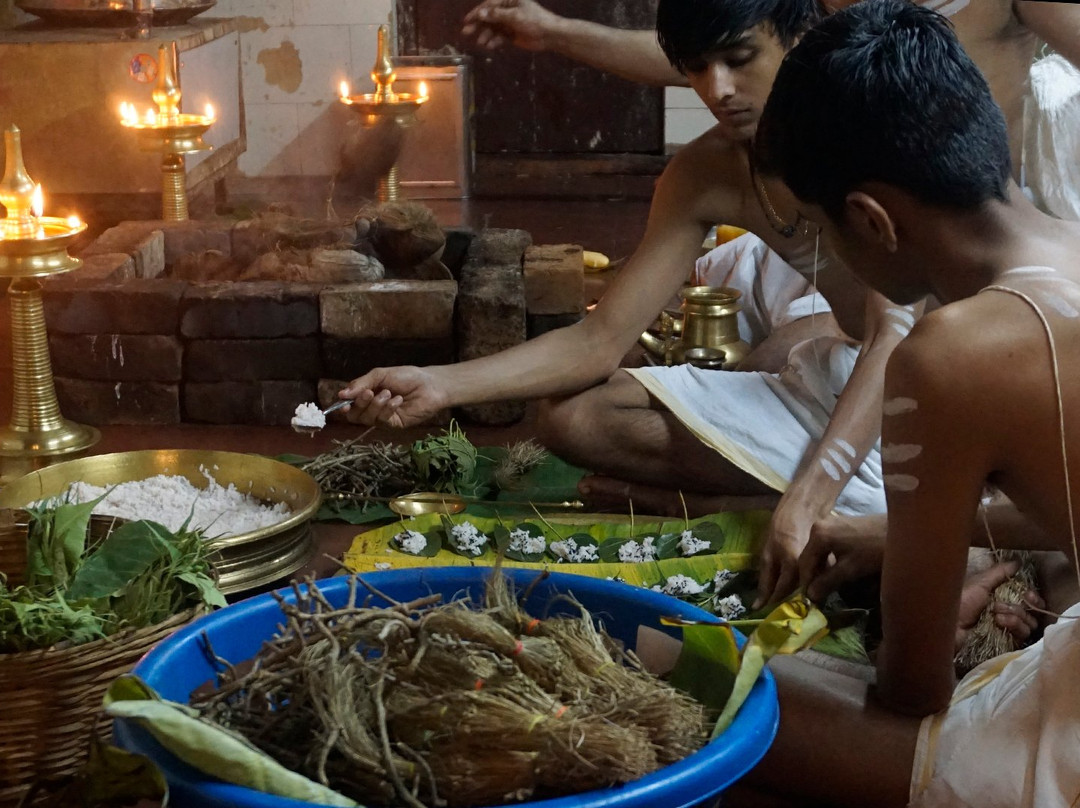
{"x":900,"y":452}
{"x":899,"y":406}
{"x":901,"y":482}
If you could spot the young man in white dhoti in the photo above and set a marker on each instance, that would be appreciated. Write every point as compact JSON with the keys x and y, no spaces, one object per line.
{"x":772,"y":429}
{"x":887,"y":133}
{"x":776,"y":426}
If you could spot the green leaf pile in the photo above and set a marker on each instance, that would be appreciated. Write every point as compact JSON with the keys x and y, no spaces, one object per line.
{"x":78,"y":590}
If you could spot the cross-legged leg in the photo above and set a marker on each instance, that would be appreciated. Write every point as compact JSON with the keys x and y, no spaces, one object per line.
{"x":618,"y":429}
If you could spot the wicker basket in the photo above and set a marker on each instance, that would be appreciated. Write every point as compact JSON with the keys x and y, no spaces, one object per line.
{"x":51,"y":698}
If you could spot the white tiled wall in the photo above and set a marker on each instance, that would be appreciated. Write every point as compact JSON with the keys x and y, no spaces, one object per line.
{"x":685,"y":116}
{"x":294,"y":55}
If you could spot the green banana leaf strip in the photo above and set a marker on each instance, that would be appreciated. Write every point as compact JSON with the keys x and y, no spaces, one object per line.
{"x":707,"y":664}
{"x":793,"y":625}
{"x":209,"y":748}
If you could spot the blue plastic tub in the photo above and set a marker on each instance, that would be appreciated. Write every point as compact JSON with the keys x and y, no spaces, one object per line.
{"x":178,"y":666}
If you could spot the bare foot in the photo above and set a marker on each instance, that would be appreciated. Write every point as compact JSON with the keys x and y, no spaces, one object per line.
{"x":611,"y":495}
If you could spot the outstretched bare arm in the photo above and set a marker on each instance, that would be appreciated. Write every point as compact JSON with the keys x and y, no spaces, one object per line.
{"x":633,"y":55}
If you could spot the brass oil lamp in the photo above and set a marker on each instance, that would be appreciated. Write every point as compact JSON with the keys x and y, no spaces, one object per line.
{"x":384,"y":106}
{"x":170,"y":132}
{"x":33,"y":246}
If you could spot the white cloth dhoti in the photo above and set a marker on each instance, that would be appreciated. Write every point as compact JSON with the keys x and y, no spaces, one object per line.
{"x":1011,"y":737}
{"x":765,"y":423}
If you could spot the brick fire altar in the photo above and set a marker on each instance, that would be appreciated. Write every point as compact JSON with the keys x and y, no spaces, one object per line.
{"x":132,"y":345}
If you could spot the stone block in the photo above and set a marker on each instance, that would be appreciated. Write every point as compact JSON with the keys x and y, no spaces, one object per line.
{"x":349,"y":358}
{"x":490,"y":311}
{"x":124,"y":237}
{"x":389,"y":310}
{"x":255,"y":310}
{"x":537,"y":324}
{"x":499,"y":246}
{"x":214,"y":360}
{"x":194,"y":237}
{"x":138,"y":306}
{"x":96,"y":269}
{"x":149,"y":255}
{"x":490,"y":318}
{"x":117,"y":357}
{"x":108,"y":403}
{"x":249,"y":239}
{"x":264,"y":402}
{"x":252,"y":237}
{"x":458,"y":240}
{"x":554,"y":279}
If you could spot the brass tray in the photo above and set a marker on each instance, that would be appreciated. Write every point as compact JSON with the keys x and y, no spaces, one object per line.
{"x":247,"y":560}
{"x":99,"y":14}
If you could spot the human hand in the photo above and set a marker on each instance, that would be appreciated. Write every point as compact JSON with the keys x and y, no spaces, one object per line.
{"x":787,"y":535}
{"x":398,"y":397}
{"x":523,"y":23}
{"x":841,"y":549}
{"x":978,"y":592}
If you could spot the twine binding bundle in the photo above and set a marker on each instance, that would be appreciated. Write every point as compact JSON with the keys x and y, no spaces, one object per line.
{"x":52,"y":697}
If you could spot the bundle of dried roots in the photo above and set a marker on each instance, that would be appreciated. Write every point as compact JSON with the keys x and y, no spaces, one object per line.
{"x":426,"y":704}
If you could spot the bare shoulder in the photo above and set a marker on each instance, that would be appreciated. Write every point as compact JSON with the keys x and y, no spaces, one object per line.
{"x":706,"y":176}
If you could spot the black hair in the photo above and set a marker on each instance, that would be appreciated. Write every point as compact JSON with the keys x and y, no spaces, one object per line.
{"x":883,"y":91}
{"x":691,"y":29}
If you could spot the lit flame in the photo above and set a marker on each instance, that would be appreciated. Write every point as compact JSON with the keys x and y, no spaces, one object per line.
{"x":423,"y":90}
{"x":37,"y":202}
{"x":151,"y":116}
{"x":74,"y":222}
{"x":344,"y":90}
{"x":128,"y":114}
{"x":210,"y":111}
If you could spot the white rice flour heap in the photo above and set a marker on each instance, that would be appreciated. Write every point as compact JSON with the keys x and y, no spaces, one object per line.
{"x":171,"y":500}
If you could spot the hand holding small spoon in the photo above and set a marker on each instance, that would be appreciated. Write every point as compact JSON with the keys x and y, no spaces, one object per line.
{"x":309,"y":419}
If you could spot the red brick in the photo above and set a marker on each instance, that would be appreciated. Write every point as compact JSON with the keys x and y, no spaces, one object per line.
{"x":554,"y":279}
{"x":349,"y":358}
{"x":117,"y":357}
{"x":389,"y":310}
{"x":265,"y":402}
{"x":216,"y":360}
{"x":108,"y":403}
{"x":124,"y":237}
{"x":136,"y":306}
{"x":255,"y":310}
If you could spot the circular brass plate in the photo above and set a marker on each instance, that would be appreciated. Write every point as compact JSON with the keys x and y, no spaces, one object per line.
{"x":246,"y":560}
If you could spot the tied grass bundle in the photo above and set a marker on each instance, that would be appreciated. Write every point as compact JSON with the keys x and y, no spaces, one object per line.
{"x":520,"y":459}
{"x":78,"y":590}
{"x":986,"y":639}
{"x":428,"y":704}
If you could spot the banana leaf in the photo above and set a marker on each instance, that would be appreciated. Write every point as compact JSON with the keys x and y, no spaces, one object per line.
{"x":742,"y":534}
{"x":209,"y":748}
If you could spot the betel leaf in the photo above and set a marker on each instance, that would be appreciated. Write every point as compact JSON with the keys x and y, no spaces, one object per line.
{"x":580,"y":540}
{"x":710,"y":532}
{"x":707,"y":664}
{"x":519,"y":554}
{"x":667,"y":545}
{"x":122,"y":557}
{"x":609,"y":548}
{"x":207,"y":589}
{"x":501,"y":536}
{"x":434,"y":543}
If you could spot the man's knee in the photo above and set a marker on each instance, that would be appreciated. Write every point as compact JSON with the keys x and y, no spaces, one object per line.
{"x":560,"y":422}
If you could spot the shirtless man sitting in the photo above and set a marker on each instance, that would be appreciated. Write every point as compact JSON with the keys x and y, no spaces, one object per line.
{"x":603,"y":418}
{"x":887,"y":133}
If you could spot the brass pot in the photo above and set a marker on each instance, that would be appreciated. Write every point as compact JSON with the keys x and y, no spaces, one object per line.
{"x":707,"y":335}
